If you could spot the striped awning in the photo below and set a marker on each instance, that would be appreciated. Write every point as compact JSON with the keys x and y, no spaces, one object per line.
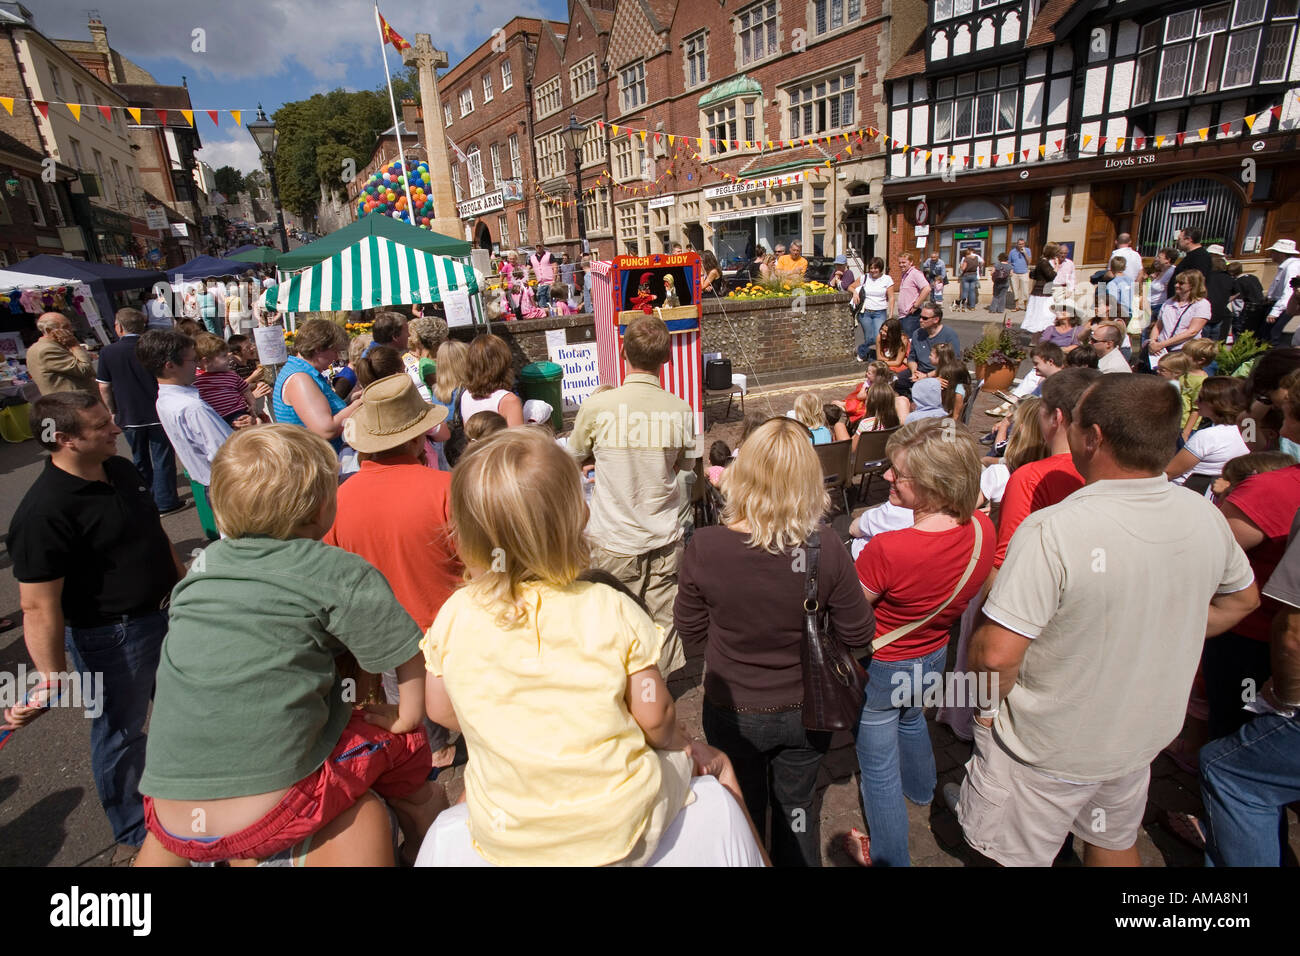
{"x":372,"y":272}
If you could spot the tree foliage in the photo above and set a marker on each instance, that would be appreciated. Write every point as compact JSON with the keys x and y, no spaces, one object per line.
{"x":230,"y":182}
{"x":318,"y":134}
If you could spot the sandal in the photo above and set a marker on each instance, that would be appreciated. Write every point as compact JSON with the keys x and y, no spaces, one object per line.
{"x":857,"y":846}
{"x":1185,"y":827}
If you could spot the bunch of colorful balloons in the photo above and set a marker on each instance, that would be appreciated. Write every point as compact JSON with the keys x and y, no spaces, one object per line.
{"x":385,"y":194}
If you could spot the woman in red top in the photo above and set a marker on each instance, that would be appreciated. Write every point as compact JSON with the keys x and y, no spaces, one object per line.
{"x":919,"y":581}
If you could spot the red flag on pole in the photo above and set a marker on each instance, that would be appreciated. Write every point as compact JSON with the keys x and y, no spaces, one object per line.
{"x":390,"y":35}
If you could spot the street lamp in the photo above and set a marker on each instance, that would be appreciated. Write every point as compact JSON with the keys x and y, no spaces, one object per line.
{"x":266,"y":136}
{"x":574,"y":134}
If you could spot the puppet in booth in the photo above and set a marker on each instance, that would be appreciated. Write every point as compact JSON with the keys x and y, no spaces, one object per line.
{"x":644,"y":298}
{"x":671,"y":301}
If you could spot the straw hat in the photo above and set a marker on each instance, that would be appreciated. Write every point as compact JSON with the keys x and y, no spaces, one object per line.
{"x":391,"y":413}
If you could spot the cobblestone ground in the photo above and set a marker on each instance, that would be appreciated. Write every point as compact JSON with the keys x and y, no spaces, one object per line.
{"x":935,"y":836}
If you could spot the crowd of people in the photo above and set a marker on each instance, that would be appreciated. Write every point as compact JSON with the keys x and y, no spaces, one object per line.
{"x":411,"y":553}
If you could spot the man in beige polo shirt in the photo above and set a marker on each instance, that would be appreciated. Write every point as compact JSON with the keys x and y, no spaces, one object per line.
{"x":57,"y":362}
{"x":640,"y":437}
{"x":1092,"y":666}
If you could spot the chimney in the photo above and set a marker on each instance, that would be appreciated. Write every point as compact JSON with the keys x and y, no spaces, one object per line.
{"x":99,"y":36}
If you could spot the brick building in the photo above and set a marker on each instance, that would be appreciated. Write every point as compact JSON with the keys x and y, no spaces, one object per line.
{"x":742,"y":79}
{"x":485,"y":115}
{"x":34,"y":214}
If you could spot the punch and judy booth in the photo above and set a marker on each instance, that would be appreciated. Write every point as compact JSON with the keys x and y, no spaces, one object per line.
{"x":667,"y":286}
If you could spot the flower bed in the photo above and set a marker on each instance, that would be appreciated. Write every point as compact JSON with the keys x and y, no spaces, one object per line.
{"x":777,"y":290}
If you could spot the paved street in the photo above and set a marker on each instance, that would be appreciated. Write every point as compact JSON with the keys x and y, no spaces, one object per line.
{"x":49,"y":813}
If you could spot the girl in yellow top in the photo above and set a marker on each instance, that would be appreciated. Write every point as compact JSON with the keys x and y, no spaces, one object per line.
{"x":575,"y":756}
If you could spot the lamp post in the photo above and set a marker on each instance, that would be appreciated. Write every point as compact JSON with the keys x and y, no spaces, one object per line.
{"x":266,"y":136}
{"x":574,"y":134}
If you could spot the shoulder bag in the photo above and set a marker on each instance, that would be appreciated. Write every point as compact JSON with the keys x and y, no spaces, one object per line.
{"x":834,"y":683}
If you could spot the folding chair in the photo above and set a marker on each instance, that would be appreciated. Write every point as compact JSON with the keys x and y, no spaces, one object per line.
{"x":970,"y":402}
{"x":870,"y":459}
{"x":837,"y":460}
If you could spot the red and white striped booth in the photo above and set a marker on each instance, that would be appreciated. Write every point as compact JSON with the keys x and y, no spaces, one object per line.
{"x":614,"y":284}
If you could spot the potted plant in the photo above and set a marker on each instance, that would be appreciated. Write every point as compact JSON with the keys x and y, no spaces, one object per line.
{"x":996,"y":357}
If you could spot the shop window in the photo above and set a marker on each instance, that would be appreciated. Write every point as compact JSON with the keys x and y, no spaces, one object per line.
{"x":1218,"y":224}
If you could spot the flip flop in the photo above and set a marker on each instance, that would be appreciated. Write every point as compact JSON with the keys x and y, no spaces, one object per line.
{"x":857,"y":846}
{"x":1186,"y":828}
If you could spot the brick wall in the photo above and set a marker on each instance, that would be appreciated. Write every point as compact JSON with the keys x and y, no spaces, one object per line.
{"x":761,"y":338}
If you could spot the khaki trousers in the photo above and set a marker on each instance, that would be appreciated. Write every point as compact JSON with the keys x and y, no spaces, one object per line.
{"x":1020,"y":289}
{"x":653,"y":578}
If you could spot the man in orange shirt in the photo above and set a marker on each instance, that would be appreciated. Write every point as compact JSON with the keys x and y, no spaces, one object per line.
{"x":791,"y":268}
{"x":394,"y":512}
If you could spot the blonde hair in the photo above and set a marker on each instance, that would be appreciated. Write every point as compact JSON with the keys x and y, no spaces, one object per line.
{"x":271,"y":480}
{"x":1195,"y":284}
{"x":1176,"y":364}
{"x":451,"y":369}
{"x":357,"y":346}
{"x":514,"y":472}
{"x":808,"y":411}
{"x":1027,"y":442}
{"x":1201,"y":351}
{"x":776,"y":487}
{"x":943,"y":463}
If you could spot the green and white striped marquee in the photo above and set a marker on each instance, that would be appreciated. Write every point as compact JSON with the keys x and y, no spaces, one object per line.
{"x":373,"y":272}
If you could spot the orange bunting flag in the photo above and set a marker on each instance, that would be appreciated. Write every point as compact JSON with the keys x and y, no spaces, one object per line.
{"x":1119,"y":144}
{"x":1160,"y":141}
{"x":135,"y":113}
{"x":614,"y":130}
{"x":1250,"y":121}
{"x":389,"y":34}
{"x":1011,"y":157}
{"x":189,"y":116}
{"x":1204,"y":133}
{"x":107,"y":113}
{"x":75,"y":110}
{"x":8,"y":103}
{"x":1086,"y":141}
{"x":212,"y":115}
{"x":1042,"y":152}
{"x":979,"y":160}
{"x":643,"y":136}
{"x":671,"y":139}
{"x":236,"y":114}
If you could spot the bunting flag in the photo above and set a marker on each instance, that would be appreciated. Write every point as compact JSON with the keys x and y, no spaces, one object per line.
{"x":212,"y":115}
{"x":1086,"y":141}
{"x":8,"y":103}
{"x":1225,"y":128}
{"x":1204,"y":133}
{"x":1042,"y":152}
{"x":1180,"y":137}
{"x":162,"y":116}
{"x":1119,"y":144}
{"x":1140,"y":142}
{"x":107,"y":113}
{"x":1250,"y":121}
{"x":189,"y":116}
{"x":44,"y":108}
{"x":1160,"y":141}
{"x":75,"y":110}
{"x":135,"y":114}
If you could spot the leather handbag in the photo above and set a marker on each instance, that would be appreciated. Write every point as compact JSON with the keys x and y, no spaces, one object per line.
{"x":834,"y":683}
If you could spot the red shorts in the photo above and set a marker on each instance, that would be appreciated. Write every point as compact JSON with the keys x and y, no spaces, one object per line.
{"x":366,"y":758}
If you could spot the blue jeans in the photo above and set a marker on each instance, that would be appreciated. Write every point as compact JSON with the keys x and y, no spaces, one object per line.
{"x":543,"y":296}
{"x":970,"y":288}
{"x":155,"y":459}
{"x":1247,"y":780}
{"x":910,"y":323}
{"x":776,"y":762}
{"x":126,"y":654}
{"x":871,"y":320}
{"x":895,"y":755}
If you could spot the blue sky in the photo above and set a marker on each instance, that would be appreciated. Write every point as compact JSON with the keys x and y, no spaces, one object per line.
{"x":273,"y":51}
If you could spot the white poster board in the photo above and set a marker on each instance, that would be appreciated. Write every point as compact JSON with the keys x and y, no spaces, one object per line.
{"x":455,"y":303}
{"x":580,"y":364}
{"x":271,"y":349}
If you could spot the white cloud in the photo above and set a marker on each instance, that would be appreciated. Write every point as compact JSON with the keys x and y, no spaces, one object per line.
{"x":235,"y":149}
{"x":243,"y":39}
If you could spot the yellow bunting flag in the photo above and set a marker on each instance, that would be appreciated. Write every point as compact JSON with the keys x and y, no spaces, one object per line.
{"x":699,"y":144}
{"x":1250,"y":121}
{"x":8,"y":103}
{"x":614,"y":130}
{"x":1119,"y":144}
{"x":1086,"y":141}
{"x":236,"y":114}
{"x":135,"y":113}
{"x":671,"y":139}
{"x":75,"y":110}
{"x":979,"y":160}
{"x":189,"y":116}
{"x":1160,"y":141}
{"x":1204,"y":133}
{"x":1042,"y":152}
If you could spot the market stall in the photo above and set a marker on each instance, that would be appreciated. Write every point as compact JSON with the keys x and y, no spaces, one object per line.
{"x":102,"y":279}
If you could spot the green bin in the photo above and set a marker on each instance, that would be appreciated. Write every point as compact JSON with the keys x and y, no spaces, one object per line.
{"x":542,"y":380}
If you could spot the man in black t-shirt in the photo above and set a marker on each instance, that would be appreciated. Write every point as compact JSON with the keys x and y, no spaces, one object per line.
{"x":131,"y":392}
{"x":93,"y":566}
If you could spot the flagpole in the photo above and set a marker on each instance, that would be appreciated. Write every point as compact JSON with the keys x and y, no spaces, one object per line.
{"x":397,"y":125}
